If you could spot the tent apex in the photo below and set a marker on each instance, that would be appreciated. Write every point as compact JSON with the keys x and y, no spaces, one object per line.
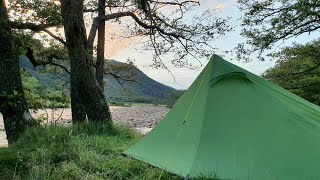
{"x":215,"y":56}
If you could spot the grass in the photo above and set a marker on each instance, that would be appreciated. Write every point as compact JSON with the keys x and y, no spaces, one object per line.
{"x":90,"y":151}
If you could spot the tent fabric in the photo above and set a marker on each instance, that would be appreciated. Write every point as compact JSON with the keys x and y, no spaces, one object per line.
{"x":233,"y":124}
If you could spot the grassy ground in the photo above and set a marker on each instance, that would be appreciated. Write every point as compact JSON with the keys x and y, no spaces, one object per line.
{"x":78,"y":152}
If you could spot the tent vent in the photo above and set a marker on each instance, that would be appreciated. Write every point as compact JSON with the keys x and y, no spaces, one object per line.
{"x":230,"y":74}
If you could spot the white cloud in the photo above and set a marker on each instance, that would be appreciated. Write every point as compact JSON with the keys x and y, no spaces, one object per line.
{"x":218,"y":7}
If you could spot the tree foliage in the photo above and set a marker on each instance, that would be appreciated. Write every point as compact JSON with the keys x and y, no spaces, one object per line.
{"x":165,"y":26}
{"x":173,"y":97}
{"x":40,"y":96}
{"x":36,"y":11}
{"x":298,"y":70}
{"x":273,"y":21}
{"x":50,"y":54}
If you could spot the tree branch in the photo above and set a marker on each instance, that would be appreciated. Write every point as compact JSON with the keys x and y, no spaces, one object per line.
{"x":55,"y":37}
{"x":108,"y":6}
{"x":95,"y":26}
{"x":142,"y":24}
{"x":61,"y":66}
{"x":120,"y":78}
{"x":304,"y":86}
{"x":176,"y":3}
{"x":90,"y":10}
{"x":37,"y":28}
{"x":49,"y":60}
{"x":92,"y":35}
{"x":31,"y":26}
{"x":294,"y":74}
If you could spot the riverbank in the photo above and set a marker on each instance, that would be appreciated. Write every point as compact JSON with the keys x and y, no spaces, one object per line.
{"x":140,"y":118}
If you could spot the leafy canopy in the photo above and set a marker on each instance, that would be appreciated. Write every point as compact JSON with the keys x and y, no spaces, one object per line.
{"x":269,"y":22}
{"x":35,"y":11}
{"x":298,"y":70}
{"x":170,"y":26}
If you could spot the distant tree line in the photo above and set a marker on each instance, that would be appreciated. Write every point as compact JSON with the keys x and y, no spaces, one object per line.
{"x":173,"y":96}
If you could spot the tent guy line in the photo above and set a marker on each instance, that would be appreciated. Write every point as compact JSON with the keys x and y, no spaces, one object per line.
{"x":182,"y":125}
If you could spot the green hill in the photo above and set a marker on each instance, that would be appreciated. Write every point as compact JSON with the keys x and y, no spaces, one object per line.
{"x":142,"y":89}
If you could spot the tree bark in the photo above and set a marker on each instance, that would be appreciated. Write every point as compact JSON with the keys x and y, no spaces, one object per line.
{"x":77,"y":108}
{"x":82,"y":74}
{"x":101,"y":43}
{"x":13,"y":104}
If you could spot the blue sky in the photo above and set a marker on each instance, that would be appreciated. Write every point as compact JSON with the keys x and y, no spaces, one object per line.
{"x":184,"y":77}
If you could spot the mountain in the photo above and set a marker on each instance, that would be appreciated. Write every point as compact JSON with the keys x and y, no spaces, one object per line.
{"x":46,"y":76}
{"x":142,"y":89}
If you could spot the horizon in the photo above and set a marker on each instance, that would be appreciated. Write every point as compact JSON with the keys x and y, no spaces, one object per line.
{"x":169,"y":80}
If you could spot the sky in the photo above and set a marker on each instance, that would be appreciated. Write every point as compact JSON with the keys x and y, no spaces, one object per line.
{"x":122,"y":49}
{"x":182,"y":78}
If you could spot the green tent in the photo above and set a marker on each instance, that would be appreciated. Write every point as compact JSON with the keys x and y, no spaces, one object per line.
{"x":235,"y":125}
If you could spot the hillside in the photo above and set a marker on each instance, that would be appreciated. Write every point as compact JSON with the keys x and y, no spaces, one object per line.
{"x":143,"y":89}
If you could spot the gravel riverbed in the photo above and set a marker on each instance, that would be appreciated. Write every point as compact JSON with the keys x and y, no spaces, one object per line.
{"x":141,"y":118}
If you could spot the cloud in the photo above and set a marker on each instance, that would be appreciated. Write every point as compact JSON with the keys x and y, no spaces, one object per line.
{"x":218,"y":7}
{"x":115,"y":42}
{"x":116,"y":39}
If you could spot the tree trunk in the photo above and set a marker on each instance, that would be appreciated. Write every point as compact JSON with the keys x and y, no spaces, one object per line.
{"x":77,"y":108}
{"x":89,"y":91}
{"x":101,"y":43}
{"x":13,"y":104}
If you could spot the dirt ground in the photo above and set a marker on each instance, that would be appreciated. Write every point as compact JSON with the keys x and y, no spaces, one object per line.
{"x":141,"y":118}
